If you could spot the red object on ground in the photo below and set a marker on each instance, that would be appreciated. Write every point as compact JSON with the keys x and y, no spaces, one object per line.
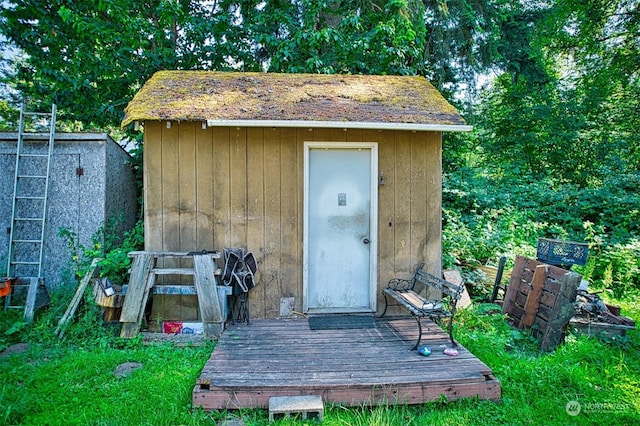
{"x":5,"y":285}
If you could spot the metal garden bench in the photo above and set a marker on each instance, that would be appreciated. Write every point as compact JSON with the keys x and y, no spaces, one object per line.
{"x":405,"y":293}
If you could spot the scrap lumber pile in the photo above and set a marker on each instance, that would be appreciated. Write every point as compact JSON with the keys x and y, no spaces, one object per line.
{"x":547,"y":299}
{"x":540,"y":297}
{"x":595,"y":317}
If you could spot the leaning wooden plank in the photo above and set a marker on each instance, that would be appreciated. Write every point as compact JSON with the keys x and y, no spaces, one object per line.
{"x":77,"y":297}
{"x":31,"y":299}
{"x":42,"y":295}
{"x":137,"y":295}
{"x":533,"y":299}
{"x":205,"y":284}
{"x":37,"y":297}
{"x":131,"y":328}
{"x":514,"y":286}
{"x":454,"y":276}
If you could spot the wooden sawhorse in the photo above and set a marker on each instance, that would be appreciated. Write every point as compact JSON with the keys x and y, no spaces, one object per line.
{"x":142,"y":279}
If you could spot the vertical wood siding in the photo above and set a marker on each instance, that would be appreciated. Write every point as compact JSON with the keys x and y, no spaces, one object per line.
{"x":243,"y":187}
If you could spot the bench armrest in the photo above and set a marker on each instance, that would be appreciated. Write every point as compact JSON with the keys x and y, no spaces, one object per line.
{"x":400,"y":284}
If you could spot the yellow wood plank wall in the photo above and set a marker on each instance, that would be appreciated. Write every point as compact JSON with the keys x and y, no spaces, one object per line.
{"x":243,"y":187}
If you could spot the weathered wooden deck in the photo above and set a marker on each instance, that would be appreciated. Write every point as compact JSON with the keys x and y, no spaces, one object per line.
{"x":353,"y":367}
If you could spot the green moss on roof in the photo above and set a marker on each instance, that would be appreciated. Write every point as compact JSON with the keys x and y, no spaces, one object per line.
{"x":232,"y":96}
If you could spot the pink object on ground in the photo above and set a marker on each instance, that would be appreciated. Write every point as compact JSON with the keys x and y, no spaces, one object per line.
{"x":451,"y":352}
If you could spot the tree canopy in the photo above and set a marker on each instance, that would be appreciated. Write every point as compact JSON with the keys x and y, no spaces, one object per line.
{"x":551,"y":87}
{"x":91,"y":57}
{"x":571,"y":107}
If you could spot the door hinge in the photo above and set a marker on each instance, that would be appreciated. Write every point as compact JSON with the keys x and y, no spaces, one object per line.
{"x":80,"y":171}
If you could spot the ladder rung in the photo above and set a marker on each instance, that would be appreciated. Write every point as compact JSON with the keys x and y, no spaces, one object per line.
{"x":32,"y":176}
{"x":34,"y":155}
{"x":23,"y":197}
{"x":24,"y":262}
{"x":44,"y":114}
{"x":26,"y":219}
{"x":26,"y":241}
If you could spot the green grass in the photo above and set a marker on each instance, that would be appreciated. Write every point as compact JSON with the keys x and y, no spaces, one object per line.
{"x":72,"y":382}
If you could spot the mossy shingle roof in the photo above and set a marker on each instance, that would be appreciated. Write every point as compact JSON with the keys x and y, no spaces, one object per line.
{"x":270,"y":99}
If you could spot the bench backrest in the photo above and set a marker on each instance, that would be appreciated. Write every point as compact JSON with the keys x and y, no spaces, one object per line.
{"x":448,"y":289}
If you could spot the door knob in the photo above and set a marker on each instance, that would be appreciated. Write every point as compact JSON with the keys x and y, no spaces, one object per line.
{"x":366,"y":240}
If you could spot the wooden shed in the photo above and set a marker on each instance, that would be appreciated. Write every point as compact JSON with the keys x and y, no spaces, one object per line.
{"x":332,"y":181}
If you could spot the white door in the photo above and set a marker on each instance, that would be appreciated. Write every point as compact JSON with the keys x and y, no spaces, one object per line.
{"x":340,"y":227}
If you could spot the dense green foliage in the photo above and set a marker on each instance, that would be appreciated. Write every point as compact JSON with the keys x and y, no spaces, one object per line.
{"x":90,"y":57}
{"x":72,"y":381}
{"x":485,"y":218}
{"x":555,"y":151}
{"x":569,"y":112}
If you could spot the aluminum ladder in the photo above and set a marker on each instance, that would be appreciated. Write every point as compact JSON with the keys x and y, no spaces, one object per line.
{"x":29,"y":210}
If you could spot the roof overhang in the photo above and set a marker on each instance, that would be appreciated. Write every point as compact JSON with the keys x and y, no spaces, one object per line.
{"x":341,"y":125}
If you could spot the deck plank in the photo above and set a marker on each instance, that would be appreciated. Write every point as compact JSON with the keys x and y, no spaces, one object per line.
{"x":358,"y":367}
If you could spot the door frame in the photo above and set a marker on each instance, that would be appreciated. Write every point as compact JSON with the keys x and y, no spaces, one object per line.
{"x":373,"y":219}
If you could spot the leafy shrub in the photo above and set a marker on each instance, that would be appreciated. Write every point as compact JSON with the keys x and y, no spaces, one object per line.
{"x":109,"y":247}
{"x":87,"y":327}
{"x":486,"y":216}
{"x":612,"y":267}
{"x":479,"y":284}
{"x":479,"y":238}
